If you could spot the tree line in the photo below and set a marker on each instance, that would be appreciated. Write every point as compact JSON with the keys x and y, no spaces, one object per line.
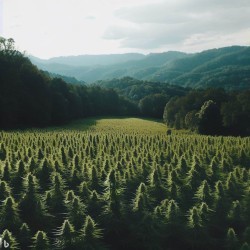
{"x":30,"y":98}
{"x":210,"y":112}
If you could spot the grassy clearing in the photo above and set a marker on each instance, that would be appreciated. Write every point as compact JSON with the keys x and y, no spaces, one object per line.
{"x":124,"y":125}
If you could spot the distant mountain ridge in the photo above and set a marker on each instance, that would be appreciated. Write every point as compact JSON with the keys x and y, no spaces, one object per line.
{"x":90,"y":60}
{"x":227,"y":67}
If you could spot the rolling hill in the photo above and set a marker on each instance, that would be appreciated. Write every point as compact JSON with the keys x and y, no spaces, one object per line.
{"x":227,"y":67}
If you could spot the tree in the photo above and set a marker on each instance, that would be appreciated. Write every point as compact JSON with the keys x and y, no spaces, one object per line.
{"x":7,"y":46}
{"x":32,"y":206}
{"x":10,"y":239}
{"x":76,"y":212}
{"x":41,"y":241}
{"x":231,"y":240}
{"x":153,"y":105}
{"x":4,"y":190}
{"x":24,"y":236}
{"x":65,"y":236}
{"x":245,"y":246}
{"x":210,"y":121}
{"x":191,"y":120}
{"x":9,"y":215}
{"x":90,"y":235}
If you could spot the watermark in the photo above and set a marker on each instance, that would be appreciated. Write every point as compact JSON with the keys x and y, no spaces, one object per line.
{"x":3,"y":243}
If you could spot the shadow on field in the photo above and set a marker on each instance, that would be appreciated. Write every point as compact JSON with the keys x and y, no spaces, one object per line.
{"x":82,"y":124}
{"x":87,"y":123}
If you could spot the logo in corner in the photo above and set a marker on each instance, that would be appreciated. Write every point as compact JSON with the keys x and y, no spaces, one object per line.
{"x":3,"y":243}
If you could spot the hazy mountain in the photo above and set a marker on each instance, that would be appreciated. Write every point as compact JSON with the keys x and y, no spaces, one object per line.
{"x":112,"y":67}
{"x":227,"y":67}
{"x":90,"y":60}
{"x":67,"y":79}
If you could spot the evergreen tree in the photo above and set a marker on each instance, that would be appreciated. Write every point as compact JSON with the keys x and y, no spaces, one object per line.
{"x":95,"y":205}
{"x":90,"y":236}
{"x":18,"y":178}
{"x":203,"y":193}
{"x":245,"y":246}
{"x":24,"y":236}
{"x":141,"y":202}
{"x":41,"y":241}
{"x":9,"y":215}
{"x":246,"y":235}
{"x":84,"y":191}
{"x":76,"y":212}
{"x":157,"y":189}
{"x":9,"y":239}
{"x":235,"y":216}
{"x":66,"y":236}
{"x":44,"y":173}
{"x":32,"y":206}
{"x":4,"y":190}
{"x":57,"y":205}
{"x":231,"y":240}
{"x":6,"y":172}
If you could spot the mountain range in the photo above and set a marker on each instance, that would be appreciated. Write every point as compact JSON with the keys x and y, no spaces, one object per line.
{"x":227,"y":67}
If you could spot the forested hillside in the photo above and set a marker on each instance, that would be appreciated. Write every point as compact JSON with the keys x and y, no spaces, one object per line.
{"x":227,"y":67}
{"x":30,"y":98}
{"x":33,"y":98}
{"x":211,"y":112}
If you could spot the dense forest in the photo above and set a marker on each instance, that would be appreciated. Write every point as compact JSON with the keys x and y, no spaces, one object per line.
{"x":33,"y":98}
{"x":150,"y":97}
{"x":30,"y":98}
{"x":211,"y":112}
{"x":208,"y":111}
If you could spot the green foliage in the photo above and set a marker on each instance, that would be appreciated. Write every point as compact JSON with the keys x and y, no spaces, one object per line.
{"x":172,"y":212}
{"x":9,"y":215}
{"x":154,"y":191}
{"x":141,"y":201}
{"x":24,"y":236}
{"x":90,"y":235}
{"x":10,"y":239}
{"x":4,"y":190}
{"x":224,"y":67}
{"x":30,"y":98}
{"x":65,"y":236}
{"x":203,"y":193}
{"x":76,"y":212}
{"x":245,"y":246}
{"x":232,"y":240}
{"x":40,"y":241}
{"x":194,"y":218}
{"x":153,"y":105}
{"x":210,"y":122}
{"x":210,"y":112}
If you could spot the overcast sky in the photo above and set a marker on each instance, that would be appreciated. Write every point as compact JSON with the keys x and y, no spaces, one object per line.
{"x":47,"y":28}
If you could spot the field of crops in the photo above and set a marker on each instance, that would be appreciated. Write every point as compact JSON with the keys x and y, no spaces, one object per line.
{"x":123,"y":184}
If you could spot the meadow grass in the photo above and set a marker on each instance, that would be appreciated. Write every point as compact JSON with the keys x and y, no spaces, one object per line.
{"x":118,"y":124}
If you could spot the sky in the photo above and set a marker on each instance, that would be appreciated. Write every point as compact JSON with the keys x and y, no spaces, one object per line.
{"x":49,"y":28}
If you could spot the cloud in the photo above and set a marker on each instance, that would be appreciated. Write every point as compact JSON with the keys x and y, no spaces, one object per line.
{"x":171,"y":23}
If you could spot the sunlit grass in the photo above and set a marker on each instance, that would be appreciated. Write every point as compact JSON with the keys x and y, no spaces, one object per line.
{"x":123,"y":125}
